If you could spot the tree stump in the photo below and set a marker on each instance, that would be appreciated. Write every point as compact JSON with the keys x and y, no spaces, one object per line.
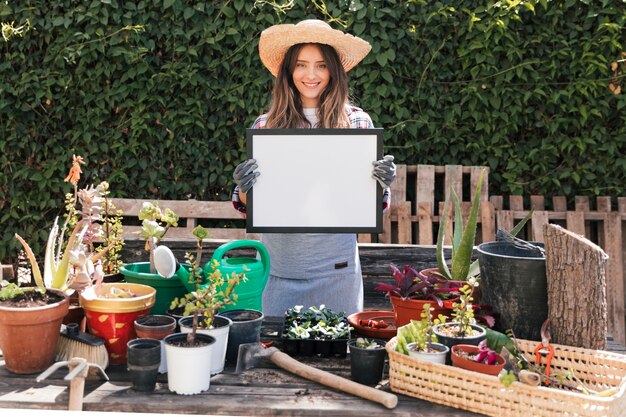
{"x":576,"y":274}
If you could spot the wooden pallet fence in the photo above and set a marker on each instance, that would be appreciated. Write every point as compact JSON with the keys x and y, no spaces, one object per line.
{"x":191,"y":213}
{"x":417,"y":197}
{"x":595,"y":219}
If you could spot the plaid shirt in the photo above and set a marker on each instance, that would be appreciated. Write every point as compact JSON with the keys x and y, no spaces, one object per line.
{"x":358,"y":120}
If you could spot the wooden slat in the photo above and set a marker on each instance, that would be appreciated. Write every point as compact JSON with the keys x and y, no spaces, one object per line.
{"x":454,"y":180}
{"x":621,"y":205}
{"x":404,"y":222}
{"x":425,"y":226}
{"x":398,"y":187}
{"x":603,"y":205}
{"x":425,"y":189}
{"x":385,"y":236}
{"x":487,"y":219}
{"x":537,"y":202}
{"x":539,"y":219}
{"x":497,"y":201}
{"x":516,"y":203}
{"x":504,"y":220}
{"x":575,"y":222}
{"x":559,"y":203}
{"x":615,"y":276}
{"x":364,"y":238}
{"x":474,"y":176}
{"x":581,"y":203}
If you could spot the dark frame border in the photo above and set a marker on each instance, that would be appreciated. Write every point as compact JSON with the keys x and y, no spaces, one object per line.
{"x":250,"y":133}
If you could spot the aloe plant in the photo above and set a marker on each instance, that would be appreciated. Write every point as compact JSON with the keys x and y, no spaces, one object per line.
{"x":462,"y":239}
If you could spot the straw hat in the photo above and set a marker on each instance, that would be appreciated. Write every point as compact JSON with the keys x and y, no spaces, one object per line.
{"x":277,"y":39}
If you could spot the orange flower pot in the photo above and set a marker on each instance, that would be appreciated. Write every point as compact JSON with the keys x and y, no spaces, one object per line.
{"x":113,"y":318}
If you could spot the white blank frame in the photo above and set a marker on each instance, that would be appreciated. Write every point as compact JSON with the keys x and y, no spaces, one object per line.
{"x":315,"y":181}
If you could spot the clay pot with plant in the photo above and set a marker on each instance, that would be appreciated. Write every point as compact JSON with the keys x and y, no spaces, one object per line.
{"x":477,"y":358}
{"x":418,"y":340}
{"x":411,"y":290}
{"x":462,"y":329}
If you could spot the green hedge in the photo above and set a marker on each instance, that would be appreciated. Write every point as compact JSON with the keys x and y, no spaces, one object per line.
{"x":156,"y":94}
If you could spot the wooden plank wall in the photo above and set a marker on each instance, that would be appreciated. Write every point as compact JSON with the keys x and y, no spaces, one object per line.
{"x":596,"y":219}
{"x":417,"y":197}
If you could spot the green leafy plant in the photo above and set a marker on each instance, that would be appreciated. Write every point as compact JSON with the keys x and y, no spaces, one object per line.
{"x":210,"y":296}
{"x":463,"y":237}
{"x":320,"y":323}
{"x":155,"y":223}
{"x":419,"y":332}
{"x":364,"y":343}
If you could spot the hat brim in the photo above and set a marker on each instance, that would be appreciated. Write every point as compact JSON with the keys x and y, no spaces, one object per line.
{"x":276,"y":40}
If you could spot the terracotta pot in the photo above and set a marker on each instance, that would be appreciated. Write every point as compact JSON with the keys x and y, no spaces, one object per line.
{"x":407,"y":310}
{"x":465,"y":363}
{"x":113,"y":318}
{"x":451,"y":341}
{"x":155,"y":326}
{"x":29,"y":336}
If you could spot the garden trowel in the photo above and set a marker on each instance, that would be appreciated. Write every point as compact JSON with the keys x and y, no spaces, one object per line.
{"x":253,"y":355}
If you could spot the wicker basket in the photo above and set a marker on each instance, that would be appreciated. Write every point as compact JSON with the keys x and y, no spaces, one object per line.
{"x":455,"y":387}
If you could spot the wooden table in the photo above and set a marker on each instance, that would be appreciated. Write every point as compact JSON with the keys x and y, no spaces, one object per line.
{"x":256,"y":392}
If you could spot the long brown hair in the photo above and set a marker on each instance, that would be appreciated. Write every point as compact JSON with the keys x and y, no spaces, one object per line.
{"x":286,"y":107}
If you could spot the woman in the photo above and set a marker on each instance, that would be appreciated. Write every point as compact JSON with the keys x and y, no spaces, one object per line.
{"x":310,"y":61}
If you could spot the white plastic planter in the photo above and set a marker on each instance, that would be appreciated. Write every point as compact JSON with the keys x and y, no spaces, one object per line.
{"x":188,"y":368}
{"x":219,"y":332}
{"x":434,"y":357}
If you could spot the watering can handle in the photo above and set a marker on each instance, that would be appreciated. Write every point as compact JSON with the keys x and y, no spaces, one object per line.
{"x":236,"y":244}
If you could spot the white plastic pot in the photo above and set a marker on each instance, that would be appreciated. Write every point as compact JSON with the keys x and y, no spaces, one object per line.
{"x":434,"y":357}
{"x":219,"y":332}
{"x":188,"y":368}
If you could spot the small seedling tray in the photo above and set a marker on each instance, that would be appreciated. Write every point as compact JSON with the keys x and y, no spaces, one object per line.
{"x":312,"y":347}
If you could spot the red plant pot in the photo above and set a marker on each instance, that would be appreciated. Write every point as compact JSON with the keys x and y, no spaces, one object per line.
{"x":407,"y":310}
{"x":465,"y":363}
{"x":113,"y":318}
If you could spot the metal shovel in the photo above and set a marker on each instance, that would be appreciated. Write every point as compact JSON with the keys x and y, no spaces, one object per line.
{"x":252,"y":355}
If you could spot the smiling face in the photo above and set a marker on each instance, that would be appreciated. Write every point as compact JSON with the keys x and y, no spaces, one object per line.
{"x":310,"y":75}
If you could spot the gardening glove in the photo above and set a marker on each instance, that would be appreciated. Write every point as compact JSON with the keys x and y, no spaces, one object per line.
{"x":384,"y":171}
{"x":245,"y":174}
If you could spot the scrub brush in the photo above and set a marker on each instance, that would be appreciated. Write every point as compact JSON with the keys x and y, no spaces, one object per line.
{"x":76,"y":344}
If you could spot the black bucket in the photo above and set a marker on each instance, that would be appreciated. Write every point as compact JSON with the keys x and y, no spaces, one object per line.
{"x":513,"y":282}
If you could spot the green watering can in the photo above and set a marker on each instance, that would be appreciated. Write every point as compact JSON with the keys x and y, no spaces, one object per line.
{"x":249,"y":293}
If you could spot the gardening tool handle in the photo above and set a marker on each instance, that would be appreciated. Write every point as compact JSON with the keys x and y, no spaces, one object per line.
{"x":77,"y":384}
{"x":286,"y":362}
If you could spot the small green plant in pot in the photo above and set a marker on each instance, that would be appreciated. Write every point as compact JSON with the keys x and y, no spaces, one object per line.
{"x":200,"y":307}
{"x":367,"y":360}
{"x":463,"y":328}
{"x":418,"y":340}
{"x":461,"y":265}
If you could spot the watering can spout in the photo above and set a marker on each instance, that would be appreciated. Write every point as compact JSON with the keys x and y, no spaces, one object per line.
{"x":250,"y":292}
{"x":166,"y":265}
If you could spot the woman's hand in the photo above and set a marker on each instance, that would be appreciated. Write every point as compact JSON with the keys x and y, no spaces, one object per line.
{"x":384,"y":171}
{"x":245,"y":175}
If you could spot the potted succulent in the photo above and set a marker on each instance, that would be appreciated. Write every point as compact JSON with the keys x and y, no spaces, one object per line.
{"x":411,"y":290}
{"x":463,"y":328}
{"x":477,"y":358}
{"x":155,"y":223}
{"x":208,"y":299}
{"x":70,"y":264}
{"x":30,"y":320}
{"x":417,"y":339}
{"x":367,"y":360}
{"x":461,"y":265}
